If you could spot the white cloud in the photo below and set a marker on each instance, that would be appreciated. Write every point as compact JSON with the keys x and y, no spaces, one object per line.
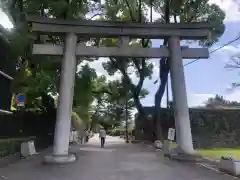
{"x":97,"y":65}
{"x":234,"y":96}
{"x":231,"y":48}
{"x":199,"y":99}
{"x":155,"y":15}
{"x":226,"y":53}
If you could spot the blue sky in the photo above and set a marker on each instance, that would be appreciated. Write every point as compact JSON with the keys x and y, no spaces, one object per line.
{"x":207,"y":77}
{"x":204,"y":78}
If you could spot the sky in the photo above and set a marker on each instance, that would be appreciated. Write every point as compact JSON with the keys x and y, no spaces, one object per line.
{"x":205,"y":77}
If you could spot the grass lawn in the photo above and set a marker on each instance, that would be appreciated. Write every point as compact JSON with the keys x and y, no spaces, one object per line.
{"x":218,"y":152}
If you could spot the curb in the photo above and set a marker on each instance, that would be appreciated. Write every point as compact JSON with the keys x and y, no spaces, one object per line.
{"x":210,"y":160}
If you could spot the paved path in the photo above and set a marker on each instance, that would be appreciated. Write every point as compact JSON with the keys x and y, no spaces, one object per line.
{"x":117,"y":161}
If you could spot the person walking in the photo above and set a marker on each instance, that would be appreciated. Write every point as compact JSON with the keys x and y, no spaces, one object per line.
{"x":87,"y":135}
{"x":83,"y":137}
{"x":102,"y":136}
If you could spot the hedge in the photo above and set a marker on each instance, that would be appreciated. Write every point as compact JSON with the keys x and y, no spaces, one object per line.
{"x":10,"y":146}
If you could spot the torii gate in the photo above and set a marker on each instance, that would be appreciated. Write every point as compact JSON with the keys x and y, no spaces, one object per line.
{"x":123,"y":30}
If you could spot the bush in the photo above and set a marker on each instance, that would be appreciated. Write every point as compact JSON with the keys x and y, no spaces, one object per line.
{"x":77,"y":122}
{"x":10,"y":146}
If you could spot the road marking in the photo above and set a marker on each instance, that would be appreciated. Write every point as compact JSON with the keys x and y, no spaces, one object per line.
{"x":96,"y":149}
{"x":208,"y":167}
{"x":216,"y":170}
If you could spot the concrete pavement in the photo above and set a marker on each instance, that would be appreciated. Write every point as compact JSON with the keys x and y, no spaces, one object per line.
{"x":117,"y":161}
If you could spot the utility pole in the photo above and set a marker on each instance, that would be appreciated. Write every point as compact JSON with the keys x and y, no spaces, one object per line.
{"x":126,"y":118}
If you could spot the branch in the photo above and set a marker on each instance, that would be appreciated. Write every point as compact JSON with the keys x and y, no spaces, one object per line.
{"x":123,"y":71}
{"x":99,"y":14}
{"x":12,"y":4}
{"x":151,"y":10}
{"x":20,"y":4}
{"x":140,"y":11}
{"x":167,"y":11}
{"x":140,"y":84}
{"x":130,"y":11}
{"x":175,"y":18}
{"x":141,"y":74}
{"x":101,"y":92}
{"x":135,"y":61}
{"x":194,"y":6}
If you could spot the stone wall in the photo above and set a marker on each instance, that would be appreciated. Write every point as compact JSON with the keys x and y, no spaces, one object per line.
{"x":210,"y":127}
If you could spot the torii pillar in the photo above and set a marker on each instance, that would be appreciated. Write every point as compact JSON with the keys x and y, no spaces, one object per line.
{"x":181,"y":112}
{"x":64,"y":111}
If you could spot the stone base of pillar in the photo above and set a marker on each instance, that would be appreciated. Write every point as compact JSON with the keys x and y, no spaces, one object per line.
{"x":60,"y":159}
{"x":178,"y":154}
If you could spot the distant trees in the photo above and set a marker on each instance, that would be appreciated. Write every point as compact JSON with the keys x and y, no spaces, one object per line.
{"x":219,"y":102}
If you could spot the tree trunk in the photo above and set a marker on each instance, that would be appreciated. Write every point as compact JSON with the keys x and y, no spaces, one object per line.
{"x":139,"y":106}
{"x":163,"y":74}
{"x":142,"y":117}
{"x":157,"y":107}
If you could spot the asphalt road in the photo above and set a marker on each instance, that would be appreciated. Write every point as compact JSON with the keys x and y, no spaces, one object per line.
{"x":117,"y":161}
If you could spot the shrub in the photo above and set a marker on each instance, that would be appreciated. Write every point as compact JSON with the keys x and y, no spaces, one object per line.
{"x":10,"y":146}
{"x":77,"y":122}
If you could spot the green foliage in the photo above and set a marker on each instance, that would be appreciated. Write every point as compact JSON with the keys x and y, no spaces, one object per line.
{"x":10,"y":146}
{"x":195,"y":11}
{"x":41,"y":75}
{"x":78,"y":123}
{"x":76,"y":116}
{"x":93,"y":95}
{"x":138,"y":67}
{"x":111,"y":107}
{"x":219,"y":102}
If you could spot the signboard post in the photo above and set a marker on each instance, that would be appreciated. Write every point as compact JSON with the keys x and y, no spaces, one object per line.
{"x":20,"y":100}
{"x":171,"y":134}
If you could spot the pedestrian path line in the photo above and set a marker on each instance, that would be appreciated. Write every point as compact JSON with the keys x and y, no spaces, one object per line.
{"x":96,"y":149}
{"x":215,"y":169}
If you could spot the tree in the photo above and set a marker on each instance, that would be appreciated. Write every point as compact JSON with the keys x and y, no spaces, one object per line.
{"x":215,"y":101}
{"x":47,"y":79}
{"x":140,"y":67}
{"x":110,"y":107}
{"x":219,"y":102}
{"x":83,"y":91}
{"x":39,"y":76}
{"x":180,"y":12}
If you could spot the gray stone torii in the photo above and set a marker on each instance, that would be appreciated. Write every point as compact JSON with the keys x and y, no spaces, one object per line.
{"x":123,"y":30}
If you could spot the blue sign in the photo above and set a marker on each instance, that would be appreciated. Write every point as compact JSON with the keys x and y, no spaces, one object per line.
{"x":20,"y":98}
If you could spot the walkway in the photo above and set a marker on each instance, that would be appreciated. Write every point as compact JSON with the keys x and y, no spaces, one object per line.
{"x":117,"y":161}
